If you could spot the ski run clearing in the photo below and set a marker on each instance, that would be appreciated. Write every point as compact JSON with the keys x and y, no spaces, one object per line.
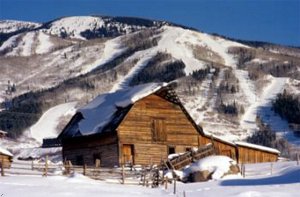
{"x":284,"y":182}
{"x":47,"y":125}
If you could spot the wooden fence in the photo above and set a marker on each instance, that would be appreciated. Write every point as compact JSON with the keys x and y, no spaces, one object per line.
{"x":190,"y":156}
{"x":124,"y":175}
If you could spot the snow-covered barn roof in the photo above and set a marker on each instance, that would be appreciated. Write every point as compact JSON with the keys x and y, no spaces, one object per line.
{"x":101,"y":110}
{"x":108,"y":108}
{"x":255,"y":146}
{"x":5,"y":152}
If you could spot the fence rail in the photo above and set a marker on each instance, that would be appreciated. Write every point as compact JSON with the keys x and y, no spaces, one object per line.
{"x":190,"y":156}
{"x":124,"y":174}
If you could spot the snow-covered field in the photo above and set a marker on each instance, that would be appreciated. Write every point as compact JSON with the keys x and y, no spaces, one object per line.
{"x":284,"y":182}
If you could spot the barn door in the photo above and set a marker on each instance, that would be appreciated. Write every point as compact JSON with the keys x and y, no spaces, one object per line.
{"x":128,"y":153}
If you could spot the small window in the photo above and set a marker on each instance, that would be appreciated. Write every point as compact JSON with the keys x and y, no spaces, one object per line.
{"x":79,"y":160}
{"x":171,"y":150}
{"x":158,"y":130}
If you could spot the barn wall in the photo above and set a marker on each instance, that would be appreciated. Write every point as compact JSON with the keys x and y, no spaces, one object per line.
{"x":222,"y":148}
{"x":6,"y":159}
{"x":105,"y":148}
{"x":250,"y":155}
{"x":136,"y":129}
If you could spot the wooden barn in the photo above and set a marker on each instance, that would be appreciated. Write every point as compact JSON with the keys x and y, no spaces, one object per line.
{"x":251,"y":153}
{"x":138,"y":125}
{"x":6,"y":157}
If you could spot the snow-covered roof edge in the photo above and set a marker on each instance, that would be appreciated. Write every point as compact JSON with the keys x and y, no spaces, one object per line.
{"x":214,"y":137}
{"x":105,"y":106}
{"x":3,"y":132}
{"x":259,"y":147}
{"x":5,"y":152}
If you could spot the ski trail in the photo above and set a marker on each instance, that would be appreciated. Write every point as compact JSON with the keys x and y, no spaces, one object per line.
{"x":264,"y":110}
{"x":124,"y":82}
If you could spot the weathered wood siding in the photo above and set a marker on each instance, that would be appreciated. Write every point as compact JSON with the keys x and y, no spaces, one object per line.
{"x":221,"y":147}
{"x":250,"y":155}
{"x":104,"y":148}
{"x":137,"y":129}
{"x":7,"y":160}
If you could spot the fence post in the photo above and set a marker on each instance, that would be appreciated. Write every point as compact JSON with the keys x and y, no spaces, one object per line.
{"x":144,"y":177}
{"x":84,"y":169}
{"x":174,"y":192}
{"x":243,"y":170}
{"x":123,"y":175}
{"x":2,"y":167}
{"x":67,"y":169}
{"x":166,"y":183}
{"x":32,"y":167}
{"x":271,"y":168}
{"x":184,"y":193}
{"x":70,"y":166}
{"x":46,"y":166}
{"x":298,"y":158}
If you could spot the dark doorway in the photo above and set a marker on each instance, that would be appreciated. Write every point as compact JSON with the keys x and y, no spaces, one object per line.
{"x":171,"y":150}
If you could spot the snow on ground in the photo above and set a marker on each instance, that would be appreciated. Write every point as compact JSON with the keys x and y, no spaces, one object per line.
{"x":46,"y":125}
{"x":218,"y":165}
{"x":220,"y":46}
{"x":23,"y":48}
{"x":112,"y":49}
{"x":27,"y":42}
{"x":54,"y":153}
{"x":262,"y":107}
{"x":198,"y":101}
{"x":169,"y":43}
{"x":74,"y":26}
{"x":294,"y":86}
{"x":259,"y":61}
{"x":144,"y":59}
{"x":8,"y":26}
{"x":44,"y":43}
{"x":10,"y":43}
{"x":246,"y":85}
{"x":174,"y":41}
{"x":284,"y":182}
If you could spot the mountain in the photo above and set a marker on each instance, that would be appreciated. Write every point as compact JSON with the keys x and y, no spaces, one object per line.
{"x":225,"y":84}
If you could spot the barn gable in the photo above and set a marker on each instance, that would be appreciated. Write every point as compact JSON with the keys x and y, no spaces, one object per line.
{"x":153,"y":128}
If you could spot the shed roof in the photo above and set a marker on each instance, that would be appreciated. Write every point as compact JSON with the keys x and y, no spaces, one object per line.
{"x":5,"y":152}
{"x":259,"y":147}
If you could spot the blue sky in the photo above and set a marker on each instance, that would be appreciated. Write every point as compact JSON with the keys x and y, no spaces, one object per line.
{"x":276,"y":21}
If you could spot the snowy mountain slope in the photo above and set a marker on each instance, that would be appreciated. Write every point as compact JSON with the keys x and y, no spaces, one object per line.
{"x":77,"y":58}
{"x":87,"y":27}
{"x":27,"y":44}
{"x":74,"y":26}
{"x":45,"y":43}
{"x":46,"y":127}
{"x":10,"y":26}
